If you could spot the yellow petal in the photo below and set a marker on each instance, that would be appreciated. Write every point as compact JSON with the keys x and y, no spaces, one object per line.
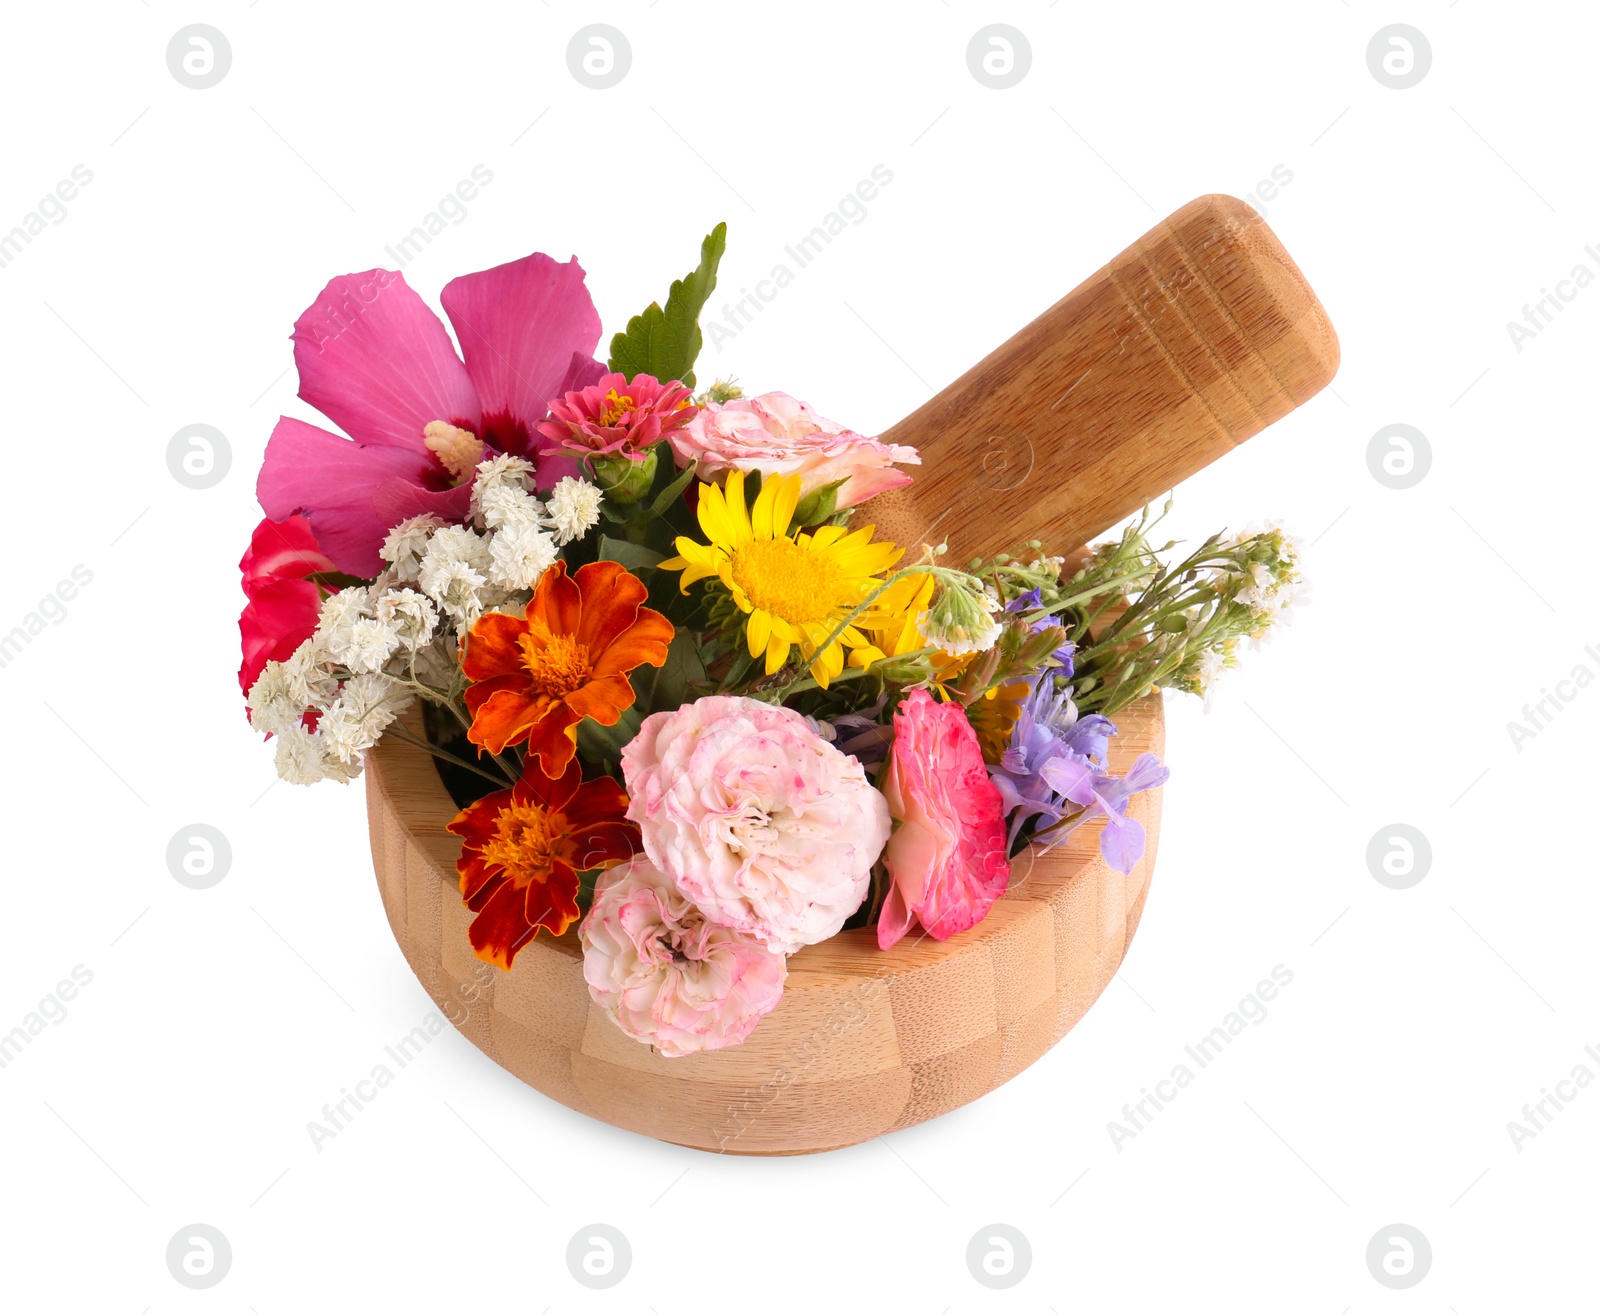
{"x":758,"y":632}
{"x":785,"y":500}
{"x":761,"y":517}
{"x":738,"y":511}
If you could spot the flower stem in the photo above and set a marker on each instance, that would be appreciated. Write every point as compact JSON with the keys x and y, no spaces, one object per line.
{"x":437,"y":752}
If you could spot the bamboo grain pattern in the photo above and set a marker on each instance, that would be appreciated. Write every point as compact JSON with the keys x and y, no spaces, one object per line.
{"x":863,"y":1042}
{"x":1199,"y":335}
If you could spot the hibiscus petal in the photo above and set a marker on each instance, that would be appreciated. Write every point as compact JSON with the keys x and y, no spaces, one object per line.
{"x":399,"y":500}
{"x":378,"y":363}
{"x":520,"y":326}
{"x":331,"y":481}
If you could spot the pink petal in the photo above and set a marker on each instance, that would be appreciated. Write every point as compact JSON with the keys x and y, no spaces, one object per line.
{"x":519,"y":326}
{"x":332,"y":482}
{"x":378,"y":363}
{"x":282,"y":549}
{"x":894,"y":919}
{"x":397,"y":500}
{"x":583,"y":371}
{"x":277,"y":619}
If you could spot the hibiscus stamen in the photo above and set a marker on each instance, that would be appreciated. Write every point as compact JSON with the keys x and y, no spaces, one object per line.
{"x":459,"y":450}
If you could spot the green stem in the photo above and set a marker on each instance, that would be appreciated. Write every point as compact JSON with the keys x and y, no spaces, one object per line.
{"x":407,"y":738}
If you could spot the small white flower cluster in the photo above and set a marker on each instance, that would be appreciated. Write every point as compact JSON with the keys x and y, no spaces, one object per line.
{"x":1272,"y":581}
{"x":376,"y":646}
{"x":352,"y":674}
{"x":962,"y":617}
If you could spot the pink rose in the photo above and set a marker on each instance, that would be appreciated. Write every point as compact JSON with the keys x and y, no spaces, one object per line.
{"x":777,"y":435}
{"x":665,"y":974}
{"x":947,"y":858}
{"x":761,"y":822}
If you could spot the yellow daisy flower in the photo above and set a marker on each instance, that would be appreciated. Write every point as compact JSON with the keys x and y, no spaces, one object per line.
{"x":797,"y":588}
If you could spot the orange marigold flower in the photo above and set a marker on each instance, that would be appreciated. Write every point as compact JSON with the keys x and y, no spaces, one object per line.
{"x":567,"y":657}
{"x":524,"y":848}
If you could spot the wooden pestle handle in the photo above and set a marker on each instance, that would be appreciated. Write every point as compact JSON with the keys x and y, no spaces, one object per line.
{"x":1199,"y":335}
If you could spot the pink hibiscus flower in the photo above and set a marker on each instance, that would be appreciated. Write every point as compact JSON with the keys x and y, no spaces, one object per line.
{"x":947,"y":857}
{"x":378,"y":363}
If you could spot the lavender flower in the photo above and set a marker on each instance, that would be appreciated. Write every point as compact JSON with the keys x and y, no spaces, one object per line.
{"x":1053,"y":774}
{"x":1032,"y":602}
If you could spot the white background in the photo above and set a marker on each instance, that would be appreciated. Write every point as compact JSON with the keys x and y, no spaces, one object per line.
{"x":218,"y":1022}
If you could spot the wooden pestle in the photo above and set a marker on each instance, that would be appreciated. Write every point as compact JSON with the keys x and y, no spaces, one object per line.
{"x":1199,"y":335}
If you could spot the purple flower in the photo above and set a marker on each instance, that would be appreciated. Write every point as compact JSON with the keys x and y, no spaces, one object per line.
{"x":1053,"y":773}
{"x":1031,"y":602}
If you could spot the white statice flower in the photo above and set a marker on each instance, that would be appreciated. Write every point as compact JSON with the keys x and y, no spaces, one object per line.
{"x":336,"y":623}
{"x":519,"y":555}
{"x":458,"y":590}
{"x":404,"y":546}
{"x":272,"y":701}
{"x":454,"y":571}
{"x":574,"y":508}
{"x":303,"y":759}
{"x":505,"y":507}
{"x":310,"y":682}
{"x":500,"y":474}
{"x":370,"y":645}
{"x":410,"y":615}
{"x":360,"y":715}
{"x":342,"y":610}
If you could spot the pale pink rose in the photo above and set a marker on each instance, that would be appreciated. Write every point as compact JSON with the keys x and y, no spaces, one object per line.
{"x":667,"y":975}
{"x":947,"y":858}
{"x":761,"y":822}
{"x":778,"y":435}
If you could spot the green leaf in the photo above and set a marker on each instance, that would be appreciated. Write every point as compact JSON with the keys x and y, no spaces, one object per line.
{"x":819,"y":505}
{"x":665,"y":343}
{"x":672,"y":492}
{"x":668,"y":686}
{"x":635,"y":556}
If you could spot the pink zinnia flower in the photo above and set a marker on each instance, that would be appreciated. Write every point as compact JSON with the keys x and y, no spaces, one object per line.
{"x":778,"y":435}
{"x":283,"y":606}
{"x":618,"y":415}
{"x":947,"y":857}
{"x":378,"y":363}
{"x":668,"y":976}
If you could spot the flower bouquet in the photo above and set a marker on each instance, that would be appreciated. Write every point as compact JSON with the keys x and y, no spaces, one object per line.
{"x":692,"y":712}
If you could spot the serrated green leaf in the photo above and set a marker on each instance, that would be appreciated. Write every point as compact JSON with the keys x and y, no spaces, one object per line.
{"x":665,"y":343}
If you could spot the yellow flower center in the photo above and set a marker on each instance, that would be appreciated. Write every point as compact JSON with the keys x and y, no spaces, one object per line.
{"x":558,"y":666}
{"x":522,"y":844}
{"x":781,"y":577}
{"x":616,"y":407}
